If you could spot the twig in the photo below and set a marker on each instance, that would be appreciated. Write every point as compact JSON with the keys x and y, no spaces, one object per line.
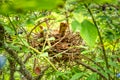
{"x":37,"y":26}
{"x":58,"y":42}
{"x":87,"y":58}
{"x":14,"y":29}
{"x":47,"y":36}
{"x":35,"y":50}
{"x":83,"y":56}
{"x":92,"y":69}
{"x":12,"y":24}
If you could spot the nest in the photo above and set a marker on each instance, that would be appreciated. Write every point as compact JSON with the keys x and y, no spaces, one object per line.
{"x":62,"y":48}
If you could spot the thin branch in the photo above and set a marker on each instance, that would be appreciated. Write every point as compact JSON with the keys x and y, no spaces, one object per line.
{"x":87,"y":58}
{"x":83,"y":56}
{"x":38,"y":52}
{"x":35,"y":50}
{"x":12,"y":24}
{"x":92,"y":69}
{"x":58,"y":42}
{"x":37,"y":26}
{"x":103,"y":49}
{"x":14,"y":29}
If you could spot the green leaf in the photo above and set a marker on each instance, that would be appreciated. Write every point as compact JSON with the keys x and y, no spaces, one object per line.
{"x":88,"y":32}
{"x":76,"y":76}
{"x":113,"y":63}
{"x":25,"y":42}
{"x":49,"y":4}
{"x":46,"y":47}
{"x":51,"y":38}
{"x":92,"y":77}
{"x":86,"y":51}
{"x":37,"y":4}
{"x":62,"y":75}
{"x":75,"y":25}
{"x":105,"y":1}
{"x":23,"y":6}
{"x":45,"y":54}
{"x":9,"y":30}
{"x":98,"y":1}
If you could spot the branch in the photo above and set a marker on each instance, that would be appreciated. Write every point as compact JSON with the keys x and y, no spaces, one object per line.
{"x":27,"y":58}
{"x":38,"y":52}
{"x":101,"y":41}
{"x":37,"y":26}
{"x":87,"y":58}
{"x":14,"y":29}
{"x":23,"y":70}
{"x":92,"y":69}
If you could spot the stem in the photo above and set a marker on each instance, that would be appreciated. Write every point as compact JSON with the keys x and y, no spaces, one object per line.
{"x":101,"y":41}
{"x":14,"y":29}
{"x":12,"y":24}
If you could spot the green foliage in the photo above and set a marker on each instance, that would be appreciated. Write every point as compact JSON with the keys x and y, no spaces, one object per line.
{"x":75,"y":25}
{"x":99,"y":1}
{"x":92,"y":77}
{"x":76,"y":76}
{"x":88,"y":32}
{"x":19,"y":17}
{"x":37,"y":4}
{"x":23,"y":6}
